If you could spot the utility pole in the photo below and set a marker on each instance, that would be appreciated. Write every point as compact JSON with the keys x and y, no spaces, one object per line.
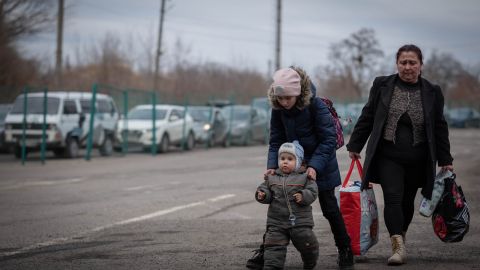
{"x":58,"y":62}
{"x":159,"y":46}
{"x":278,"y":38}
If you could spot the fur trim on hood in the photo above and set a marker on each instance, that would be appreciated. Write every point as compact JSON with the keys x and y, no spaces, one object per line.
{"x":303,"y":100}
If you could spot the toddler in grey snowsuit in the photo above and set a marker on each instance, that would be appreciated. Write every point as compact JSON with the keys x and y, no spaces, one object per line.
{"x":290,"y":195}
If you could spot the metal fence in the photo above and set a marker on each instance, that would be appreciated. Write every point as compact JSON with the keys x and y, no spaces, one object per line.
{"x":113,"y":120}
{"x":120,"y":121}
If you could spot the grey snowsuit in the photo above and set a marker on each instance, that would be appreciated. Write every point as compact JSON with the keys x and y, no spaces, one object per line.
{"x":280,"y":228}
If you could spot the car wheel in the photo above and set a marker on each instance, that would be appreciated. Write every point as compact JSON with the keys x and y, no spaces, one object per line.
{"x":247,"y":138}
{"x":106,"y":149}
{"x":59,"y":152}
{"x":71,"y":149}
{"x":226,"y":142}
{"x":17,"y":151}
{"x":190,"y":144}
{"x":164,"y":144}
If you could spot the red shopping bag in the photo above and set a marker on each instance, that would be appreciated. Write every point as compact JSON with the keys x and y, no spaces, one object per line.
{"x":359,"y":211}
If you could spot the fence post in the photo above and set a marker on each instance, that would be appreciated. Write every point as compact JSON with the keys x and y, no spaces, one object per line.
{"x":124,"y":131}
{"x":211,"y":119}
{"x":154,"y":124}
{"x":24,"y":125}
{"x":92,"y":119}
{"x":230,"y":120}
{"x":44,"y":127}
{"x":184,"y":128}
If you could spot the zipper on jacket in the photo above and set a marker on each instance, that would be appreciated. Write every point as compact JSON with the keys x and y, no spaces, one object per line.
{"x":291,"y":217}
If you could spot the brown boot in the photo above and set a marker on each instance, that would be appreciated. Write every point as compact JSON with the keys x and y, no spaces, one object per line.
{"x":398,"y":249}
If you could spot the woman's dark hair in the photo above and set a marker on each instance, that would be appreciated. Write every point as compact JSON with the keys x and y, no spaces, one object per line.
{"x":411,"y":48}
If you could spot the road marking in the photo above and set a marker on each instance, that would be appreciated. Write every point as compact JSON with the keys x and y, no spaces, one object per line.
{"x":123,"y":222}
{"x":137,"y":188}
{"x":219,"y":198}
{"x":163,"y":212}
{"x":43,"y":183}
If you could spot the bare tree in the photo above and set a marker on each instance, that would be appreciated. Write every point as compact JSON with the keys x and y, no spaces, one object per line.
{"x":357,"y":57}
{"x":106,"y":63}
{"x":443,"y":69}
{"x":466,"y":90}
{"x":340,"y":87}
{"x":19,"y":18}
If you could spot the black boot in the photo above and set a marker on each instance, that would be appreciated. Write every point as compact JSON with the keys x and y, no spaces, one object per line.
{"x":345,"y":258}
{"x":307,"y":266}
{"x":256,"y":261}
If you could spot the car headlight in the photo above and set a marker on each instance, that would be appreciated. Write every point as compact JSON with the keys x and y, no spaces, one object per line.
{"x":207,"y":127}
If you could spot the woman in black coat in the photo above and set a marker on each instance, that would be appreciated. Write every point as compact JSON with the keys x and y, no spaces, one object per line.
{"x":408,"y":136}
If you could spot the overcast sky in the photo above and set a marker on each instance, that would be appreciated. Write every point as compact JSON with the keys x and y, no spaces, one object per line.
{"x":242,"y":32}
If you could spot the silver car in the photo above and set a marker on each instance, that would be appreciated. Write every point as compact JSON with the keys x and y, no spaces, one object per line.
{"x":210,"y":125}
{"x":246,"y":124}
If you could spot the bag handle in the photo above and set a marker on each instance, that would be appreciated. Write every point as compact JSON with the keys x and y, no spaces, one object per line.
{"x":359,"y":168}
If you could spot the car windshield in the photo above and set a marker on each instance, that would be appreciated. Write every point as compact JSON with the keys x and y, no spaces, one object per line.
{"x":146,"y":114}
{"x":200,"y":114}
{"x":460,"y":113}
{"x":239,"y":113}
{"x":35,"y":105}
{"x":2,"y":118}
{"x":3,"y":113}
{"x":261,"y":103}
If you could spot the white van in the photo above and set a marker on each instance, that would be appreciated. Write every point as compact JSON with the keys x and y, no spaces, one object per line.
{"x":67,"y":123}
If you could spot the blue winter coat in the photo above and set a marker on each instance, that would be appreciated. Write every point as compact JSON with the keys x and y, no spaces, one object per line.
{"x":316,"y":133}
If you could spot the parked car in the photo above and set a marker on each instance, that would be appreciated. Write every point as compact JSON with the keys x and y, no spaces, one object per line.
{"x":67,"y":123}
{"x":246,"y":124}
{"x":345,"y":118}
{"x":464,"y":117}
{"x":4,"y":109}
{"x":220,"y":103}
{"x":172,"y":127}
{"x":210,"y":126}
{"x":352,"y":113}
{"x":263,"y":104}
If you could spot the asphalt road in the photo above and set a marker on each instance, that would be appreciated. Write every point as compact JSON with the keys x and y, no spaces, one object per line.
{"x":186,"y":210}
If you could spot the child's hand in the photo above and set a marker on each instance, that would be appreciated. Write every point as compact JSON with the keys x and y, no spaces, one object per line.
{"x":260,"y":195}
{"x":267,"y":173}
{"x":298,"y":197}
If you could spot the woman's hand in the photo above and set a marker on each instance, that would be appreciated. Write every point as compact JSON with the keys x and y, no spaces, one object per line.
{"x":447,"y":168}
{"x":267,"y":173}
{"x":311,"y":173}
{"x":354,"y":155}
